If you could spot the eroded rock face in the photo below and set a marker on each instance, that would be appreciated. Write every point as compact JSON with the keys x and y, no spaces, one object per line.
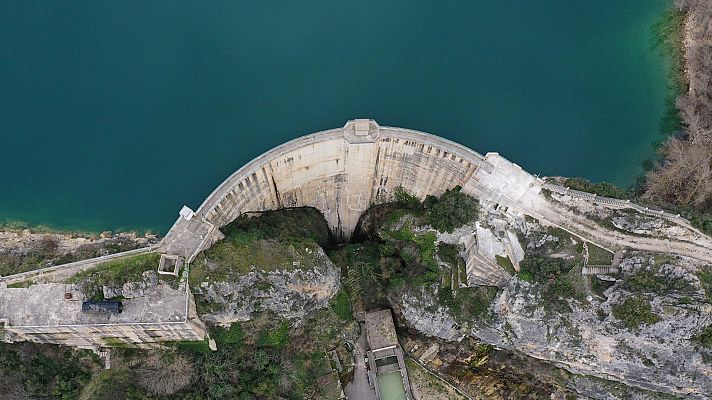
{"x":289,"y":294}
{"x":423,"y":314}
{"x":132,"y":290}
{"x":589,"y":340}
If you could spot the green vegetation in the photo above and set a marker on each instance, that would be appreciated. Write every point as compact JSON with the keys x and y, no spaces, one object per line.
{"x":117,"y":343}
{"x":598,"y":256}
{"x":552,"y":274}
{"x":233,"y":335}
{"x":543,"y":269}
{"x":704,"y":338}
{"x":115,"y":273}
{"x":469,"y":304}
{"x":506,"y":264}
{"x":647,"y":281}
{"x":445,"y":213}
{"x":602,"y":188}
{"x":668,"y":34}
{"x":47,"y":252}
{"x":464,"y":303}
{"x":29,"y":370}
{"x":403,"y":199}
{"x":706,"y":282}
{"x":288,"y":225}
{"x":21,"y":284}
{"x":284,"y":239}
{"x":254,"y":360}
{"x":452,"y":210}
{"x":341,"y":304}
{"x":195,"y":346}
{"x":634,"y":312}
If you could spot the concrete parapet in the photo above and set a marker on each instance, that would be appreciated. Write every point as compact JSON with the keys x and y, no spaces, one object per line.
{"x":615,"y":202}
{"x":71,"y":268}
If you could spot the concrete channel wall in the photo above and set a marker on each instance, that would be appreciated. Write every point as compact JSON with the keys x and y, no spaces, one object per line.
{"x":616,"y":203}
{"x":70,"y":268}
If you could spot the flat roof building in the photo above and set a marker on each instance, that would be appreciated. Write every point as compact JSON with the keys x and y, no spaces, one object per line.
{"x":387,"y":372}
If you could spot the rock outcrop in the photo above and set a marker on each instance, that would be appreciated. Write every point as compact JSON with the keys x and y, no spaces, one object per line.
{"x":290,"y":294}
{"x":589,"y":339}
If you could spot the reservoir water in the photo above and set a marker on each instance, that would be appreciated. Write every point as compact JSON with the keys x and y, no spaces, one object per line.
{"x":115,"y":114}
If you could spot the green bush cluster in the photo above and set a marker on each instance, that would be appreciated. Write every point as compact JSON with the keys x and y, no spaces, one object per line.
{"x":552,"y":274}
{"x":602,"y":188}
{"x":269,"y":241}
{"x":45,"y":371}
{"x":403,"y":199}
{"x":634,"y":312}
{"x":469,"y":303}
{"x":341,"y":305}
{"x":646,"y":281}
{"x":115,"y":273}
{"x":255,"y":369}
{"x":451,"y":210}
{"x":704,"y":338}
{"x":285,"y":225}
{"x":445,"y":213}
{"x":542,"y":269}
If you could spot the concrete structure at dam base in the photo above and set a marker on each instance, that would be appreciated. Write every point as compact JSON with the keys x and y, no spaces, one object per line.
{"x":341,"y":172}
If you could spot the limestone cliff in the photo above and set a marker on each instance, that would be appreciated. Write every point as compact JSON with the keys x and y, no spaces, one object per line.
{"x":290,"y":294}
{"x":588,"y":328}
{"x":270,"y":262}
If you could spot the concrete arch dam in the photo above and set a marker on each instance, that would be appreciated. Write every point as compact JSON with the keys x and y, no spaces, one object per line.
{"x":342,"y":172}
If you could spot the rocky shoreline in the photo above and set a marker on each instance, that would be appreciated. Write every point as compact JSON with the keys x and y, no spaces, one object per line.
{"x":26,"y":249}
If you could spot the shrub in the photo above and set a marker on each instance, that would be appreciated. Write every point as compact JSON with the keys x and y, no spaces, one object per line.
{"x":602,"y":188}
{"x":277,"y":337}
{"x":403,"y":199}
{"x":541,"y":269}
{"x":452,"y":210}
{"x":704,"y":338}
{"x":469,"y":303}
{"x":234,"y":335}
{"x":647,"y":281}
{"x":551,"y":273}
{"x":341,"y":305}
{"x":115,"y":273}
{"x":634,"y":312}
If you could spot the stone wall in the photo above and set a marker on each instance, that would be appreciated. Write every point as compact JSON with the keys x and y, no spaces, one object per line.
{"x":92,"y":336}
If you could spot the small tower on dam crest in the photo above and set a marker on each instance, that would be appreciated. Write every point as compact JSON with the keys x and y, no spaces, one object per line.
{"x":361,"y":131}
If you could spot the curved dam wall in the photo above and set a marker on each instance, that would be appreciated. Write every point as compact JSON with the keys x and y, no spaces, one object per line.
{"x":342,"y":172}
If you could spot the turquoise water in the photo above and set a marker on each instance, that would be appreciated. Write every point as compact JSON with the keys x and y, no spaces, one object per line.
{"x":115,"y":114}
{"x":391,"y":386}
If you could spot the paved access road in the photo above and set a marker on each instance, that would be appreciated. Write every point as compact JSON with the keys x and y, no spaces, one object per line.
{"x":359,"y":389}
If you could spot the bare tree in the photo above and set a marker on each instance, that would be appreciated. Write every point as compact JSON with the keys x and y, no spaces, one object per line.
{"x":685,"y":177}
{"x":164,"y":374}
